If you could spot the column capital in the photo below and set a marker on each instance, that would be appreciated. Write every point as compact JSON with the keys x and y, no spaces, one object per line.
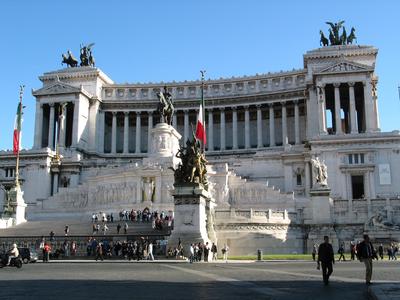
{"x":51,"y":104}
{"x":210,"y":110}
{"x":321,"y":86}
{"x":114,"y":113}
{"x":296,"y":102}
{"x":258,"y":106}
{"x":186,"y":111}
{"x":222,"y":108}
{"x":138,"y":112}
{"x":234,"y":108}
{"x":271,"y":105}
{"x":126,"y":113}
{"x":336,"y":84}
{"x":246,"y":107}
{"x":351,"y":83}
{"x":283,"y":103}
{"x":150,"y":112}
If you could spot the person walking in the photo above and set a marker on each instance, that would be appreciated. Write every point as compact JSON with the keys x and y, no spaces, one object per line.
{"x":365,"y":253}
{"x":99,"y":251}
{"x":314,"y":252}
{"x":380,"y":251}
{"x":105,"y":228}
{"x":118,"y":228}
{"x":66,"y":230}
{"x":191,"y":252}
{"x":150,"y":251}
{"x":341,"y":252}
{"x":46,"y":252}
{"x":352,"y":250}
{"x":125,"y":228}
{"x":325,"y":259}
{"x":206,"y":252}
{"x":225,"y":252}
{"x":214,"y":251}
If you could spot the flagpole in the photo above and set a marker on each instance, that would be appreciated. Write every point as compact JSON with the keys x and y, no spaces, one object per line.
{"x":203,"y":103}
{"x":21,"y":93}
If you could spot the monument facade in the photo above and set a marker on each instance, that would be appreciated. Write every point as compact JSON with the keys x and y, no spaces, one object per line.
{"x":291,"y":154}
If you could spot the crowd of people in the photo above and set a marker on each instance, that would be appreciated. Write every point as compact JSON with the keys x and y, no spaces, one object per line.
{"x":379,"y":252}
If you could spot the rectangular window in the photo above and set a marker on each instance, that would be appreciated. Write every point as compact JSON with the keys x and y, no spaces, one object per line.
{"x":362,"y":158}
{"x":356,"y":158}
{"x":350,"y":159}
{"x":298,"y":179}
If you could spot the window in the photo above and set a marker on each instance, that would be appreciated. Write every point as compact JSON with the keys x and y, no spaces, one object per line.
{"x":10,"y":172}
{"x":356,"y":158}
{"x":298,"y":179}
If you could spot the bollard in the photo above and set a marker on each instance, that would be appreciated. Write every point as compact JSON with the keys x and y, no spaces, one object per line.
{"x":259,"y":255}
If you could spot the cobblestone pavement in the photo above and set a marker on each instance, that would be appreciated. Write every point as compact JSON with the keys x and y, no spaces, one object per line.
{"x":169,"y":280}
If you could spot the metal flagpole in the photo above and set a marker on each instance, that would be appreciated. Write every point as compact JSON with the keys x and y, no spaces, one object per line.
{"x":203,"y":105}
{"x":21,"y":93}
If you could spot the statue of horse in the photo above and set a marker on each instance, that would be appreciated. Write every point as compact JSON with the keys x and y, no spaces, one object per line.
{"x":165,"y":106}
{"x":69,"y":60}
{"x":324,"y":41}
{"x":343,"y":37}
{"x":331,"y":38}
{"x":352,"y":36}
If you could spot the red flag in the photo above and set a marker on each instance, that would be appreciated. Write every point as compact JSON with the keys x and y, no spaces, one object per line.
{"x":17,"y":129}
{"x":201,"y":126}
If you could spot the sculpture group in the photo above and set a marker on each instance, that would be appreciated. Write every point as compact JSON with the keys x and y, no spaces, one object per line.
{"x":335,"y":37}
{"x":320,"y":173}
{"x":165,"y":106}
{"x":85,"y":56}
{"x":193,"y":167}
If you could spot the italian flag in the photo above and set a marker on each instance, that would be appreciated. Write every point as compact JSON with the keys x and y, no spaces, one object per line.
{"x":17,"y":129}
{"x":201,"y":125}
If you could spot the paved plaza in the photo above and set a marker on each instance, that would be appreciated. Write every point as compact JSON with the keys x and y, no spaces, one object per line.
{"x":181,"y":280}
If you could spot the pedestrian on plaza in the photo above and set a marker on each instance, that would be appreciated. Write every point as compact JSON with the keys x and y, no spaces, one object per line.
{"x":99,"y":251}
{"x":93,"y":217}
{"x":66,"y":230}
{"x":341,"y":252}
{"x":52,"y":234}
{"x":150,"y":251}
{"x":326,"y":259}
{"x":380,"y":251}
{"x":112,"y":218}
{"x":365,"y":253}
{"x":314,"y":252}
{"x":225,"y":252}
{"x":73,"y":248}
{"x":394,"y":251}
{"x":46,"y":252}
{"x":105,"y":228}
{"x":352,"y":250}
{"x":191,"y":253}
{"x":94,"y":228}
{"x":214,"y":251}
{"x":206,"y":252}
{"x":125,"y":228}
{"x":118,"y":228}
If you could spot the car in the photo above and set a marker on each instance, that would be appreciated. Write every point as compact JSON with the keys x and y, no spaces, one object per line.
{"x":28,"y":255}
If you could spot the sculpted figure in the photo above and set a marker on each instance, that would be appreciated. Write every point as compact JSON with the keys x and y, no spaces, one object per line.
{"x":165,"y":106}
{"x":320,"y":172}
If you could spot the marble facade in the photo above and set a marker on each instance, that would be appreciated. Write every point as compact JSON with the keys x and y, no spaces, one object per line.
{"x":262,"y":130}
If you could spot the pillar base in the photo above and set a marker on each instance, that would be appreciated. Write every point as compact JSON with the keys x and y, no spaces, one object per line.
{"x":321,"y":204}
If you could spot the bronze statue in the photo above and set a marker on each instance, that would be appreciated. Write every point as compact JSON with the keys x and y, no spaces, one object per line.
{"x":335,"y":38}
{"x":193,"y":168}
{"x":165,"y":106}
{"x":86,"y":56}
{"x":352,"y":36}
{"x":69,"y":60}
{"x":324,"y":41}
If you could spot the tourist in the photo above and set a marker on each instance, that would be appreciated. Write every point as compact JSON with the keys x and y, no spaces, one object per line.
{"x":394,"y":251}
{"x":94,"y":228}
{"x":66,"y":248}
{"x":341,"y":252}
{"x":206,"y":252}
{"x":99,"y":252}
{"x":314,"y":252}
{"x":352,"y":250}
{"x":12,"y":253}
{"x":46,"y":252}
{"x":126,"y":228}
{"x":118,"y":228}
{"x":191,"y":253}
{"x":66,"y":230}
{"x":111,"y":218}
{"x":150,"y":251}
{"x":52,"y":234}
{"x":380,"y":251}
{"x":365,"y":253}
{"x":214,"y":252}
{"x":325,"y":259}
{"x":93,"y":218}
{"x":73,"y":248}
{"x":89,"y":247}
{"x":105,"y":228}
{"x":225,"y":252}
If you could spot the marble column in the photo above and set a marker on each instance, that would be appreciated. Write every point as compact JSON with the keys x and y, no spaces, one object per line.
{"x":62,"y":119}
{"x":38,"y":126}
{"x":222,"y":129}
{"x":338,"y":119}
{"x":114,"y":133}
{"x":284,"y":125}
{"x":138,"y":132}
{"x":75,"y":125}
{"x":186,"y":125}
{"x":353,"y":114}
{"x":55,"y":183}
{"x":234,"y":129}
{"x":246,"y":127}
{"x":296,"y":123}
{"x":321,"y":109}
{"x":271,"y":125}
{"x":175,"y":121}
{"x":260,"y":143}
{"x":369,"y":118}
{"x":102,"y":122}
{"x":51,"y":126}
{"x":375,"y":100}
{"x":308,"y":178}
{"x":150,"y":127}
{"x":210,"y":138}
{"x":126,"y":132}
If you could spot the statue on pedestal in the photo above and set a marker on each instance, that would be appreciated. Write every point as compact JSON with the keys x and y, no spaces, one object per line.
{"x":69,"y":60}
{"x":165,"y":106}
{"x":335,"y":37}
{"x":320,"y":172}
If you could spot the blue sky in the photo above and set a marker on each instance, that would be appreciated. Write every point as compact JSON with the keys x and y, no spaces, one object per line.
{"x":153,"y":41}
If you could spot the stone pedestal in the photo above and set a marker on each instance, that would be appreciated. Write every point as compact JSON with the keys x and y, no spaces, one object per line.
{"x":164,"y":145}
{"x":321,"y":205}
{"x":193,"y":220}
{"x":16,"y":210}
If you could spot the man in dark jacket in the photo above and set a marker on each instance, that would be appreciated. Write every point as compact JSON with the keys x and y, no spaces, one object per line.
{"x":365,"y":253}
{"x":326,"y":259}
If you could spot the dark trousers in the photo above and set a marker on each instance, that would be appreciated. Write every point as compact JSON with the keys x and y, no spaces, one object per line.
{"x":326,"y":270}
